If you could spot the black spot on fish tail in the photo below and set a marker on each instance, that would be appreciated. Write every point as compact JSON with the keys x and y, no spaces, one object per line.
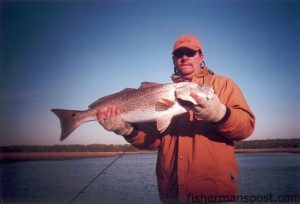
{"x":68,"y":121}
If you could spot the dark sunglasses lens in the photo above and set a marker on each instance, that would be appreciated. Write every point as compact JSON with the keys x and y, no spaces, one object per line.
{"x":180,"y":53}
{"x":190,"y":53}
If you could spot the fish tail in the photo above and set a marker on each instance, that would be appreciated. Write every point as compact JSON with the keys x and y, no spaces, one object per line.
{"x":69,"y":121}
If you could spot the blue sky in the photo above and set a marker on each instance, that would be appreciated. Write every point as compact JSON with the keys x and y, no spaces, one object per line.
{"x":67,"y":54}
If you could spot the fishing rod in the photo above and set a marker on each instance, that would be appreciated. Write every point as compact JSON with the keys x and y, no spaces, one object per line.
{"x":99,"y":174}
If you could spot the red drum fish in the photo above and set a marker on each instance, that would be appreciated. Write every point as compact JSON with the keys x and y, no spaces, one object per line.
{"x":150,"y":102}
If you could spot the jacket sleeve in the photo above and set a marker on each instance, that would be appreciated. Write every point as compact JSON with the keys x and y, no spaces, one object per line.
{"x":240,"y":121}
{"x":144,"y":136}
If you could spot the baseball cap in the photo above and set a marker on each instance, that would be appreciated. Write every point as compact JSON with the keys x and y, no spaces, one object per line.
{"x":188,"y":41}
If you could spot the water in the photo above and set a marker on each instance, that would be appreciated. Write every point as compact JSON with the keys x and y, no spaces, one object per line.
{"x":269,"y":173}
{"x":132,"y":178}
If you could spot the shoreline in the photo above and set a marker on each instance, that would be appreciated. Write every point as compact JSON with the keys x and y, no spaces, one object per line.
{"x":274,"y":150}
{"x":37,"y":156}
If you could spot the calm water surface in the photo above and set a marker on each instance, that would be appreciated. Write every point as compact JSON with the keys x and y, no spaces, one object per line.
{"x":132,"y":178}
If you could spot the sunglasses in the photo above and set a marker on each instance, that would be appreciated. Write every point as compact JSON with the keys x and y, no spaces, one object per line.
{"x":187,"y":52}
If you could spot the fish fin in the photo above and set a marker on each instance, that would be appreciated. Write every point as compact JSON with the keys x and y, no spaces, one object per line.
{"x":68,"y":121}
{"x":146,"y":84}
{"x":112,"y":96}
{"x":163,"y":123}
{"x":163,"y":104}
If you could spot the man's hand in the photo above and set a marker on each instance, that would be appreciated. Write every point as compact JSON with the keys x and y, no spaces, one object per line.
{"x":211,"y":110}
{"x":111,"y":120}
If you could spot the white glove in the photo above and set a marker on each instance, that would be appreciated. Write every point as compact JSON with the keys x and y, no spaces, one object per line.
{"x":112,"y":121}
{"x":211,"y":110}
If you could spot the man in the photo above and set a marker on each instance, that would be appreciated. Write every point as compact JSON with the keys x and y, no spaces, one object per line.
{"x":196,"y":161}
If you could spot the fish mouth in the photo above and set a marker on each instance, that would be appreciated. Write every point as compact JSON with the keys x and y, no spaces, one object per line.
{"x":186,"y":104}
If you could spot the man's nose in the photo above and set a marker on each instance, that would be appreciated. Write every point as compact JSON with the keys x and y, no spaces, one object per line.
{"x":184,"y":57}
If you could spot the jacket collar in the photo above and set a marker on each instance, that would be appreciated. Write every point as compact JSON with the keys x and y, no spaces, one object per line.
{"x":203,"y":72}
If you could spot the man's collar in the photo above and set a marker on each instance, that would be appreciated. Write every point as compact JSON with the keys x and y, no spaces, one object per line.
{"x":203,"y":72}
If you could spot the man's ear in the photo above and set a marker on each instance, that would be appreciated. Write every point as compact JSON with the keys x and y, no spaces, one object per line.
{"x":201,"y":56}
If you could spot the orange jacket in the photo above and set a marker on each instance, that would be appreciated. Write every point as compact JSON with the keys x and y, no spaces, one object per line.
{"x":196,"y":158}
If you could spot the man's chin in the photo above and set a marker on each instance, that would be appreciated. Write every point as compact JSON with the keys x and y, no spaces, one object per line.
{"x":187,"y":70}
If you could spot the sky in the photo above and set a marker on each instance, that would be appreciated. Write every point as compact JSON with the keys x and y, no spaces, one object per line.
{"x":67,"y":54}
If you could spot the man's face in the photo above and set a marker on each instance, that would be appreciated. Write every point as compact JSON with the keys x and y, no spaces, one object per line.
{"x":187,"y":61}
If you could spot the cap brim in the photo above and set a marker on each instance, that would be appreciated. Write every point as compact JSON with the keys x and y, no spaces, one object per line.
{"x":195,"y":48}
